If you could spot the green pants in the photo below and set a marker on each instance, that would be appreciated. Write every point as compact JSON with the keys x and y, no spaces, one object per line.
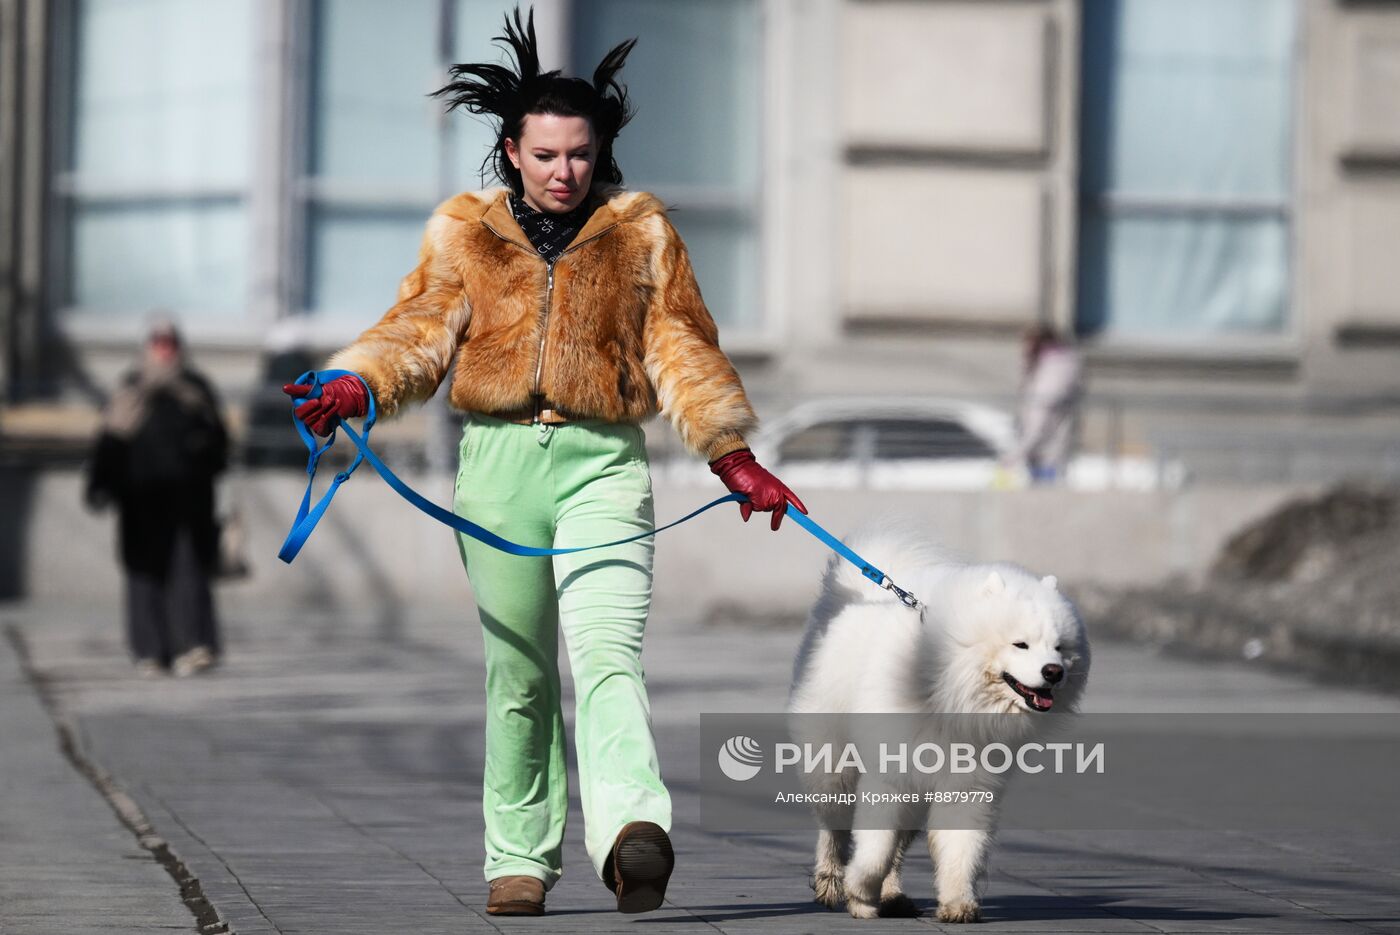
{"x":575,"y":484}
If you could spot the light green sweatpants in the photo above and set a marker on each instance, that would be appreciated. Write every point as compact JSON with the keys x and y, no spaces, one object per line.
{"x":579,"y":483}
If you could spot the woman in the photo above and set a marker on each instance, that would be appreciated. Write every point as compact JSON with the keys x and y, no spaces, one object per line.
{"x":1051,"y":387}
{"x":574,"y":315}
{"x":161,"y":445}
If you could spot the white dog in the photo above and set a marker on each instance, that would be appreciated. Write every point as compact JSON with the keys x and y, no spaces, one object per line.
{"x":988,"y":639}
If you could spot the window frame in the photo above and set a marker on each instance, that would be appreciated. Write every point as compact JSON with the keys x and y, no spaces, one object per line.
{"x":1283,"y":347}
{"x":307,"y":192}
{"x":280,"y":191}
{"x":67,"y":188}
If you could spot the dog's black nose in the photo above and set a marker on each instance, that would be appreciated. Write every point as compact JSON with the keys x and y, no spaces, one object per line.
{"x":1053,"y":673}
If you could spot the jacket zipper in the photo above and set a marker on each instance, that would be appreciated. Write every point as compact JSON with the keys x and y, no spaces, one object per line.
{"x":544,"y":330}
{"x":548,"y":299}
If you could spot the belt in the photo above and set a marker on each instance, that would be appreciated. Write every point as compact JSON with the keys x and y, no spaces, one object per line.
{"x":543,"y":412}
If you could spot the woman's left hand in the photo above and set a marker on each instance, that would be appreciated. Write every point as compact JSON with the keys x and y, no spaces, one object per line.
{"x":742,"y":473}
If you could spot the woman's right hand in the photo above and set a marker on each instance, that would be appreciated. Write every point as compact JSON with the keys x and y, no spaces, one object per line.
{"x":341,"y":398}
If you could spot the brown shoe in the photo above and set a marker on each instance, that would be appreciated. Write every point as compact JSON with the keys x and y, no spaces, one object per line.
{"x":639,"y":867}
{"x":515,"y":896}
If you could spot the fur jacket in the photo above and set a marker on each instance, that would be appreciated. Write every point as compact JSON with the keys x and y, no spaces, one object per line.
{"x":616,"y":330}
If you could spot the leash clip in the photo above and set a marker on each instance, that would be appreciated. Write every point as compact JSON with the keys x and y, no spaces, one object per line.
{"x":870,"y":571}
{"x":905,"y":598}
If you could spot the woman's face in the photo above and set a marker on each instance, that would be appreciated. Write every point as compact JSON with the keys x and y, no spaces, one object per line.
{"x":555,"y":156}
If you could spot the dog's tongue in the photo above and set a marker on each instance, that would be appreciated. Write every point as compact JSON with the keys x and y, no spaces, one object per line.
{"x":1041,"y":702}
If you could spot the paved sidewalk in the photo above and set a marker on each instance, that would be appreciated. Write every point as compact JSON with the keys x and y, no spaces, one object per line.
{"x":67,"y":863}
{"x":327,"y":780}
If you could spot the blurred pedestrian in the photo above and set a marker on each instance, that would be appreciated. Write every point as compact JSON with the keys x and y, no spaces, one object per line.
{"x":572,"y":311}
{"x":1051,"y":388}
{"x":161,"y":445}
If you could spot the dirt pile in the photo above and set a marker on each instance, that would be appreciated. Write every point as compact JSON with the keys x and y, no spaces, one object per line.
{"x":1313,"y":586}
{"x":1305,"y":539}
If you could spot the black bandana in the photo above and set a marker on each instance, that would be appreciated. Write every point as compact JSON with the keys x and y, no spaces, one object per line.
{"x":549,"y":233}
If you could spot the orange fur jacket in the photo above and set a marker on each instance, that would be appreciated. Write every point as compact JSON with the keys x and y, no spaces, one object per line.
{"x":619,"y":332}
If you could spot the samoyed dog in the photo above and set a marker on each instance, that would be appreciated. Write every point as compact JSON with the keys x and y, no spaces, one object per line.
{"x":988,"y":639}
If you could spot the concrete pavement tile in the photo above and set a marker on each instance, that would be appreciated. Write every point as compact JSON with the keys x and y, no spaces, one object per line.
{"x":47,"y":924}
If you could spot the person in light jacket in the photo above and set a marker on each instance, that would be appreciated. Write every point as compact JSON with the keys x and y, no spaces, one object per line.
{"x":1051,"y":388}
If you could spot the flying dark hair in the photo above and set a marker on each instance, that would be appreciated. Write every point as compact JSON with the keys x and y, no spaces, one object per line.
{"x":508,"y":96}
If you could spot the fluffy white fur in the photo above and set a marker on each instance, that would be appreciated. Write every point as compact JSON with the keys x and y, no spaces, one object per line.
{"x":864,"y":652}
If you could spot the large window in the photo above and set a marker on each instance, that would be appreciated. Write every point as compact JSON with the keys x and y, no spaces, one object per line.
{"x":199,"y":125}
{"x":696,"y":79}
{"x":381,"y":152}
{"x":156,"y":164}
{"x":1185,"y":167}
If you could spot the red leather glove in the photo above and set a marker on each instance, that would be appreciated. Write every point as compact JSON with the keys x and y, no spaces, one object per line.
{"x":341,"y":398}
{"x":742,"y":474}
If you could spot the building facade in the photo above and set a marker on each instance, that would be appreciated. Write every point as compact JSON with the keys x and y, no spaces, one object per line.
{"x":879,"y":195}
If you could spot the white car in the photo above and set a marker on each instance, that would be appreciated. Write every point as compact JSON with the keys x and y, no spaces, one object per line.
{"x":878,"y":443}
{"x":883,"y":444}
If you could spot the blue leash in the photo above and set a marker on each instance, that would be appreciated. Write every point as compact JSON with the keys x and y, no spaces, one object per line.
{"x":308,"y":515}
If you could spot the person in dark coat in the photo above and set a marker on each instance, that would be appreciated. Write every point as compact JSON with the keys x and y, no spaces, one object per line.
{"x":161,"y":445}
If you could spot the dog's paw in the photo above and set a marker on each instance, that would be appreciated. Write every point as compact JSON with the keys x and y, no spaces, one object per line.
{"x":829,"y":889}
{"x":960,"y":911}
{"x":861,"y":909}
{"x":898,"y":906}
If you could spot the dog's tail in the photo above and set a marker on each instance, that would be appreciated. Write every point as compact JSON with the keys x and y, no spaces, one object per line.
{"x":894,"y":546}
